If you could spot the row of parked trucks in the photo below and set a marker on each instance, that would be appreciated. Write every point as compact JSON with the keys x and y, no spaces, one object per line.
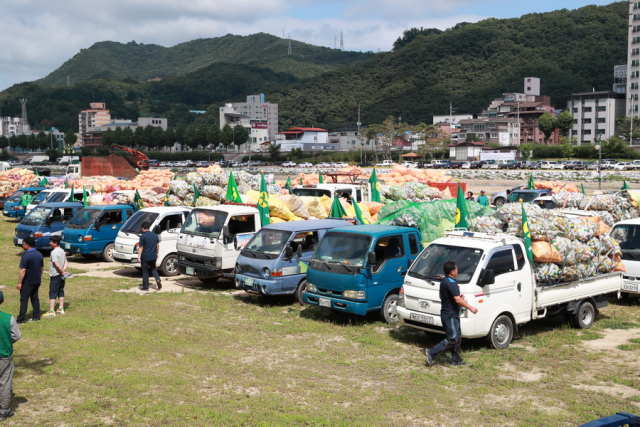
{"x":347,"y":268}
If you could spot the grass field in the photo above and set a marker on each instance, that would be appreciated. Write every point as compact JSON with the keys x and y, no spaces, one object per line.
{"x":219,"y":357}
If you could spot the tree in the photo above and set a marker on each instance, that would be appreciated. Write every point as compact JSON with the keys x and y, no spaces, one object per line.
{"x":624,"y":126}
{"x":471,"y":137}
{"x":274,"y":151}
{"x":190,"y":138}
{"x":240,"y":135}
{"x":567,"y":146}
{"x":565,"y":122}
{"x":226,"y":136}
{"x":213,"y":136}
{"x":435,"y":140}
{"x":389,"y":132}
{"x":179,"y":135}
{"x":70,"y":138}
{"x":547,"y":125}
{"x":157,"y":138}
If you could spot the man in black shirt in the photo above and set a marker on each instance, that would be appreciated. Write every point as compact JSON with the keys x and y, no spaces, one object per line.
{"x":29,"y":279}
{"x":452,"y":301}
{"x":147,"y":256}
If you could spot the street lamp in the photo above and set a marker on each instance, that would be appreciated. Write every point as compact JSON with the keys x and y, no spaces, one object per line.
{"x":599,"y":148}
{"x":68,"y":151}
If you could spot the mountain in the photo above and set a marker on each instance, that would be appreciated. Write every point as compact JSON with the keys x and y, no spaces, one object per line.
{"x":146,"y":61}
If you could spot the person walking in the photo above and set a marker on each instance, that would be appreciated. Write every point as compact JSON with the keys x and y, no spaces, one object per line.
{"x":482,"y":199}
{"x":9,"y":334}
{"x":27,"y":197}
{"x":451,"y":302}
{"x":29,"y":279}
{"x":57,"y":272}
{"x":148,"y":255}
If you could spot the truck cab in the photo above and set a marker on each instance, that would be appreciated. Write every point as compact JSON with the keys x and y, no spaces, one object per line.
{"x":93,"y":230}
{"x":55,"y":195}
{"x":46,"y":220}
{"x":13,"y":205}
{"x":329,"y":190}
{"x":270,"y":263}
{"x":211,"y":240}
{"x":627,"y":234}
{"x":360,"y":269}
{"x":166,"y":222}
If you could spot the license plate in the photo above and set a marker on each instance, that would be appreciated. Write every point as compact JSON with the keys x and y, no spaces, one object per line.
{"x":67,"y":245}
{"x":19,"y":241}
{"x":325,"y":302}
{"x":630,"y":287}
{"x":248,"y":281}
{"x":191,"y":271}
{"x":6,"y":212}
{"x":421,"y":318}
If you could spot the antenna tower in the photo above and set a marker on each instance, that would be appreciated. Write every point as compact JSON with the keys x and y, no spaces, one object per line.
{"x":24,"y":115}
{"x":289,"y":50}
{"x":335,"y":42}
{"x":341,"y":41}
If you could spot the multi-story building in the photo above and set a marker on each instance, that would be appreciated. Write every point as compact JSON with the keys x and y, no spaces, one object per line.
{"x":10,"y":126}
{"x":97,"y":115}
{"x":504,"y":131}
{"x":255,"y":108}
{"x":633,"y":61}
{"x":307,"y":139}
{"x":594,"y":115}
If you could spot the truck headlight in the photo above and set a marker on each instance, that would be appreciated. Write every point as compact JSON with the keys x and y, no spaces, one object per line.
{"x":31,"y":234}
{"x":238,"y":269}
{"x":136,"y":248}
{"x":312,"y":288}
{"x":354,"y":294}
{"x":181,"y":258}
{"x":266,"y":272}
{"x":80,"y":238}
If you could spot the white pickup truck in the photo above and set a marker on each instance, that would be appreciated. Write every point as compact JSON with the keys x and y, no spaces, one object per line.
{"x":627,"y":233}
{"x":496,"y":277}
{"x":385,"y":164}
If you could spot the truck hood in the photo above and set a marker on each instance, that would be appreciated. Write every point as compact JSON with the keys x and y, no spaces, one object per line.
{"x":336,"y":283}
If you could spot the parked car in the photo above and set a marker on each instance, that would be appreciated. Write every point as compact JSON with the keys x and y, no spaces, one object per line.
{"x":527,"y":196}
{"x":455,"y":165}
{"x":441,"y":164}
{"x":425,"y":165}
{"x":154,"y":163}
{"x":576,"y":165}
{"x":340,"y":165}
{"x":547,"y":164}
{"x":486,"y":164}
{"x":365,"y":165}
{"x":305,"y":165}
{"x":323,"y":165}
{"x":623,"y":166}
{"x":498,"y":199}
{"x":289,"y":164}
{"x":202,"y":164}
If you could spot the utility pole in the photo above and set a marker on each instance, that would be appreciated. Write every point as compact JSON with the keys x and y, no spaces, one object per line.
{"x":631,"y":122}
{"x":24,"y":115}
{"x":341,"y":41}
{"x":289,"y":50}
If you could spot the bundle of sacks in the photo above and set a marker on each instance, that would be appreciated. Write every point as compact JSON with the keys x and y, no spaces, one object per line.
{"x":556,"y":186}
{"x":610,"y":207}
{"x":314,"y":178}
{"x":150,"y":198}
{"x":564,"y":247}
{"x":398,"y":176}
{"x":15,"y":179}
{"x":156,"y":180}
{"x":414,"y":192}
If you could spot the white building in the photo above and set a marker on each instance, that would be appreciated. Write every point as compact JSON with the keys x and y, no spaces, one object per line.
{"x":255,"y":108}
{"x":450,"y":118}
{"x":10,"y":126}
{"x":594,"y":114}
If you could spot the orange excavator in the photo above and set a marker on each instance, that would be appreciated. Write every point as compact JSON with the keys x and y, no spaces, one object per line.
{"x":136,"y":158}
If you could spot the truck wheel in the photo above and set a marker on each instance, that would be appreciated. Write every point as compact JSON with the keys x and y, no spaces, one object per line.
{"x":169,"y":266}
{"x":501,"y":332}
{"x":299,"y":290}
{"x":498,"y":202}
{"x":107,"y":253}
{"x":389,"y":312}
{"x":584,"y":316}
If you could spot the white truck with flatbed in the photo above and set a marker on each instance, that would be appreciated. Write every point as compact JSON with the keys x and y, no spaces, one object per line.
{"x":496,"y":277}
{"x":627,"y":234}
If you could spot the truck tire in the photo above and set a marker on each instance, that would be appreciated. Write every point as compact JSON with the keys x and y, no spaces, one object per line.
{"x":501,"y":332}
{"x":302,"y":286}
{"x":584,"y":316}
{"x":169,"y":266}
{"x":389,"y":312}
{"x":107,"y":253}
{"x":499,"y":201}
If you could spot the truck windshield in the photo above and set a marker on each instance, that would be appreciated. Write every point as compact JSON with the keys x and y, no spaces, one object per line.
{"x":204,"y":223}
{"x":132,"y":226}
{"x":267,"y":242}
{"x":36,"y":216}
{"x":526,"y":197}
{"x":84,"y":218}
{"x":629,"y":238}
{"x":343,"y":248}
{"x":16,"y":197}
{"x":430,"y":263}
{"x":41,"y":197}
{"x":311,"y":192}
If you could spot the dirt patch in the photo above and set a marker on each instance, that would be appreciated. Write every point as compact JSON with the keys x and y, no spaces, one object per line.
{"x":612,"y":339}
{"x":510,"y":372}
{"x":617,"y":390}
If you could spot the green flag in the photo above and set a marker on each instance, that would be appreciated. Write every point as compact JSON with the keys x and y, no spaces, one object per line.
{"x":530,"y":184}
{"x":85,"y":201}
{"x":196,"y":194}
{"x":582,"y":186}
{"x":44,"y":182}
{"x":303,"y":267}
{"x":462,"y":213}
{"x":37,"y":173}
{"x":166,"y":198}
{"x":137,"y":200}
{"x":93,"y":189}
{"x":625,"y":186}
{"x":66,"y":183}
{"x":375,"y":186}
{"x":263,"y":202}
{"x":288,"y":185}
{"x":72,"y":195}
{"x":320,"y":178}
{"x":232,"y":190}
{"x":527,"y":236}
{"x":301,"y":181}
{"x":337,"y":211}
{"x":358,"y":211}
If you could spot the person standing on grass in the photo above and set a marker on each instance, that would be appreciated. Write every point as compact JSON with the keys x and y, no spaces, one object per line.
{"x":482,"y":199}
{"x":29,"y":279}
{"x":9,"y":334}
{"x":148,"y":255}
{"x":57,"y":271}
{"x":26,"y":199}
{"x":451,"y":302}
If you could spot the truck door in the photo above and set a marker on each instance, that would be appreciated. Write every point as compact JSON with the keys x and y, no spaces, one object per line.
{"x":110,"y":222}
{"x":390,"y":268}
{"x":307,"y":240}
{"x":242,"y":227}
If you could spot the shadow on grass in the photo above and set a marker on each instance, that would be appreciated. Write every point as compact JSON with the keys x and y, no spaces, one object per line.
{"x":24,"y":363}
{"x":265,"y":301}
{"x":221,"y":285}
{"x":630,"y":300}
{"x":338,"y":318}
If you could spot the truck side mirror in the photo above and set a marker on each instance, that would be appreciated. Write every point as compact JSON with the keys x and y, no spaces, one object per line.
{"x":299,"y":251}
{"x":226,"y":236}
{"x":288,"y":252}
{"x":371,"y":256}
{"x":156,"y":229}
{"x":488,"y":278}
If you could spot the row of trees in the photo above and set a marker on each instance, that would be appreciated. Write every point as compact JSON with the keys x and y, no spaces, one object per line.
{"x":33,"y":142}
{"x":194,"y":137}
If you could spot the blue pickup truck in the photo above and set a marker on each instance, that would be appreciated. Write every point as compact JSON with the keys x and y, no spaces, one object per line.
{"x":46,"y":220}
{"x":93,"y":230}
{"x":270,"y":263}
{"x":13,"y":205}
{"x":360,"y":269}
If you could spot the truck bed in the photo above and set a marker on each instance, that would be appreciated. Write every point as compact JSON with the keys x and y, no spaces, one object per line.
{"x":550,"y":295}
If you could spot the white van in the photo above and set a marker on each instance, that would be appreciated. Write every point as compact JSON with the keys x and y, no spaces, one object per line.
{"x":54,"y":195}
{"x":166,"y":222}
{"x":329,"y":190}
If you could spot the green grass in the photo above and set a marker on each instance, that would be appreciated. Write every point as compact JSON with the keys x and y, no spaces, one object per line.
{"x":220,"y":358}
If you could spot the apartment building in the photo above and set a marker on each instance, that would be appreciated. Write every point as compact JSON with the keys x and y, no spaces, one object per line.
{"x":594,"y":114}
{"x":254,"y":109}
{"x":97,"y":115}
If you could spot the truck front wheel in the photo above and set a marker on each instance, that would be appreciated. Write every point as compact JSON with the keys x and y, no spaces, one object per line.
{"x":584,"y":316}
{"x":107,"y":253}
{"x":501,"y":332}
{"x":169,"y":265}
{"x":389,"y":312}
{"x":302,"y":286}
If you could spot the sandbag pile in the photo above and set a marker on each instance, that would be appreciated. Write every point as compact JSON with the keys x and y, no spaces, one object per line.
{"x":15,"y":179}
{"x":149,"y":198}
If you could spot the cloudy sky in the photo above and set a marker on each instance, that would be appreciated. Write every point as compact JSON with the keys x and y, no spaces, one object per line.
{"x":37,"y":36}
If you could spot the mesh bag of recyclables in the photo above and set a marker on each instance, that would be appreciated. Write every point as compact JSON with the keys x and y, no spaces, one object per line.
{"x":174,"y":200}
{"x":547,"y":272}
{"x":487,"y":224}
{"x":205,"y":201}
{"x":509,"y":211}
{"x":188,"y":200}
{"x":572,"y":251}
{"x":580,"y":229}
{"x":213,"y":192}
{"x":606,"y":217}
{"x":568,"y":199}
{"x":194,"y":178}
{"x":581,"y":270}
{"x":180,"y":188}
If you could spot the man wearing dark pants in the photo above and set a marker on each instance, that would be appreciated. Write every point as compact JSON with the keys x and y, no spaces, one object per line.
{"x":148,"y":255}
{"x":9,"y":334}
{"x":29,"y":279}
{"x":451,"y":302}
